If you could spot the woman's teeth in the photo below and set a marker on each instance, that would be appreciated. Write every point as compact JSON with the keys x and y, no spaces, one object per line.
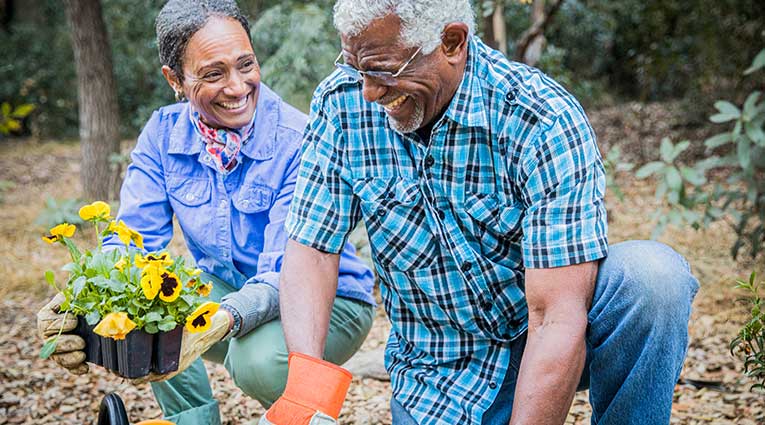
{"x":396,"y":103}
{"x":234,"y":105}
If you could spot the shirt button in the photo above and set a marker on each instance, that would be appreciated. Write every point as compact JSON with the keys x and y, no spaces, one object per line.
{"x":429,"y":161}
{"x":391,"y":194}
{"x":466,"y":266}
{"x":492,"y":385}
{"x":189,"y":197}
{"x":381,"y":211}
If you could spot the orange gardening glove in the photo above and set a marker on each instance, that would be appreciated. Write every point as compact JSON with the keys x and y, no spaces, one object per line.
{"x":314,"y":394}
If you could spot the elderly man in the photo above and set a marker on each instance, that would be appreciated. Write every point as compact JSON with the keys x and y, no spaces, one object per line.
{"x":481,"y":188}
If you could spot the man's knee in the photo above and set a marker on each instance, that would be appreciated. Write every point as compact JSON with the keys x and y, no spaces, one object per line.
{"x":651,"y":277}
{"x":261,"y":373}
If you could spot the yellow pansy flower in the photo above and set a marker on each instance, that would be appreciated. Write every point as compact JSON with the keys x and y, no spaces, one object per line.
{"x":199,"y":320}
{"x":205,"y":289}
{"x":98,"y":210}
{"x":170,"y":288}
{"x":58,"y":233}
{"x":115,"y":326}
{"x":151,"y":281}
{"x":156,"y":260}
{"x":120,"y":265}
{"x":125,"y":233}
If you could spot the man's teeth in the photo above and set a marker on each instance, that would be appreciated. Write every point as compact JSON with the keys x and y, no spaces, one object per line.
{"x":395,"y":104}
{"x":234,"y":105}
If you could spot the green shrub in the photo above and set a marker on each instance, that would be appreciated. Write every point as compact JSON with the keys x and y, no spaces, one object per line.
{"x":742,"y":157}
{"x":750,"y":341}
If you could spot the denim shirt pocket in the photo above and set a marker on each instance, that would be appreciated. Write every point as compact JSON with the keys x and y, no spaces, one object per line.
{"x":253,"y":198}
{"x":190,"y":200}
{"x":190,"y":192}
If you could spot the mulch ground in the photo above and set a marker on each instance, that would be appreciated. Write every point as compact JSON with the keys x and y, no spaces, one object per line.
{"x":34,"y":391}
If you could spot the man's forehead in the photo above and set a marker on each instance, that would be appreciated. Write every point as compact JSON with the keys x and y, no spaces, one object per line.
{"x":382,"y":33}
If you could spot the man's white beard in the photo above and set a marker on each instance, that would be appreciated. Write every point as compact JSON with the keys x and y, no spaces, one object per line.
{"x":413,"y":123}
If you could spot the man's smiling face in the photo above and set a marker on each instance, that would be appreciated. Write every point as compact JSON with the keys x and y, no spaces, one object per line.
{"x":422,"y":91}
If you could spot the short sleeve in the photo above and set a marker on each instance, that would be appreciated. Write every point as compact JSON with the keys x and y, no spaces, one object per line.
{"x":324,"y":210}
{"x":563,"y":186}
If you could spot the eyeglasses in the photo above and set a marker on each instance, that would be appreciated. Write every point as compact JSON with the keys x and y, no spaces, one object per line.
{"x":383,"y":77}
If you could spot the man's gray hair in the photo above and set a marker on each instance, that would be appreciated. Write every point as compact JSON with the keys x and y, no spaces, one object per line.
{"x":422,"y":21}
{"x":179,"y":20}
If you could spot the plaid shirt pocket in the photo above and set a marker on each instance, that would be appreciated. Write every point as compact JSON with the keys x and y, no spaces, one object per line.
{"x":396,"y":222}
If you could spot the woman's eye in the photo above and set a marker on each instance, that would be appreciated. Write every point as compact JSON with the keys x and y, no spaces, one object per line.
{"x":212,"y":76}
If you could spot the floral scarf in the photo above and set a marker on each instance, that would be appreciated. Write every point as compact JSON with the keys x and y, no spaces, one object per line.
{"x":223,"y":144}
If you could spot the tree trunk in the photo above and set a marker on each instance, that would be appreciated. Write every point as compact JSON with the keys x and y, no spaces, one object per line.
{"x":537,"y":44}
{"x":531,"y":43}
{"x":6,"y":14}
{"x":500,"y":29}
{"x":488,"y":29}
{"x":96,"y":88}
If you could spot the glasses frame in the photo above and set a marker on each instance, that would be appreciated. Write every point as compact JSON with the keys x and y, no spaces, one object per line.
{"x":385,"y":77}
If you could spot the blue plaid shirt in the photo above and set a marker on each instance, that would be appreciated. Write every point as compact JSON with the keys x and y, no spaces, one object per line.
{"x":511,"y":178}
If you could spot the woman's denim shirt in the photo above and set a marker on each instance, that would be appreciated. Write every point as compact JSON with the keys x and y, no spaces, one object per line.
{"x":233,"y":225}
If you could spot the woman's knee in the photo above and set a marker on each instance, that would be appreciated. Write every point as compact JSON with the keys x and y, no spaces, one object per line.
{"x":258,"y":366}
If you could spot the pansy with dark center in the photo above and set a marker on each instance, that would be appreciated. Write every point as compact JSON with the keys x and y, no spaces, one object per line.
{"x":170,"y":288}
{"x":199,"y":320}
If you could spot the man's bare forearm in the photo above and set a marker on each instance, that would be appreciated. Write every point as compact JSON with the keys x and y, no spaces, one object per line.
{"x":558,"y":300}
{"x":307,"y":288}
{"x":550,"y":371}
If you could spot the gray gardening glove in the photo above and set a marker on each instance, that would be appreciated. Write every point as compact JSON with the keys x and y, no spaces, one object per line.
{"x":69,"y":352}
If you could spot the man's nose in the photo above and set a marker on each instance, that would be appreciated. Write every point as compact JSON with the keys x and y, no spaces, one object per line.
{"x":372,"y":90}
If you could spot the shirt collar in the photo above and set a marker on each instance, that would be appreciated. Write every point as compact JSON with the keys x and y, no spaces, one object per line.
{"x":184,"y":140}
{"x":467,"y":107}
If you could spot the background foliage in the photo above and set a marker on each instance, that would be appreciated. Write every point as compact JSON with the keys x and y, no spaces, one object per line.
{"x":599,"y":49}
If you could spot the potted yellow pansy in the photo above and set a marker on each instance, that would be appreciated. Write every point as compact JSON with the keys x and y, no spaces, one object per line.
{"x":131,"y":305}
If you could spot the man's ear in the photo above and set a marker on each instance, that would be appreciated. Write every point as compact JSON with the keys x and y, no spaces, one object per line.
{"x":172,"y":79}
{"x":454,"y":41}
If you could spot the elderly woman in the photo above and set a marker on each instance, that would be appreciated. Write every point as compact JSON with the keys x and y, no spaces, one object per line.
{"x":225,"y":164}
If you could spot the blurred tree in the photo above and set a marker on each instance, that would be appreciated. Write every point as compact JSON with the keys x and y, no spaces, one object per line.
{"x":97,"y":93}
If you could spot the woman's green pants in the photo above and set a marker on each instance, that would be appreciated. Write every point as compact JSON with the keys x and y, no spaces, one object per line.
{"x":257,"y":362}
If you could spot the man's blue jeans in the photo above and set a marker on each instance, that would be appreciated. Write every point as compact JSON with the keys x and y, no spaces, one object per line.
{"x":637,"y":336}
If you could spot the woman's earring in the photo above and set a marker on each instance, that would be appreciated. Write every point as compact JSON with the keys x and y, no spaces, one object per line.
{"x":179,"y":97}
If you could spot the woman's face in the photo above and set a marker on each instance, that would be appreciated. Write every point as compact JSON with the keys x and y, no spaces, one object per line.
{"x":221,"y":74}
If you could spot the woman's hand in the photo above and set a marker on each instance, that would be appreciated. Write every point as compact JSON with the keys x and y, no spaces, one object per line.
{"x":69,"y":352}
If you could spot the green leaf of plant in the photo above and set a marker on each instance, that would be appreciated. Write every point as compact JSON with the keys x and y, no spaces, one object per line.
{"x":674,"y":181}
{"x":679,"y":148}
{"x":50,"y":278}
{"x":153,"y":316}
{"x":167,"y":325}
{"x":48,"y":348}
{"x":692,"y":176}
{"x":93,"y":317}
{"x":750,"y":104}
{"x":5,"y":109}
{"x":666,"y":150}
{"x":718,"y":140}
{"x":757,"y":63}
{"x":743,"y":151}
{"x":727,"y":108}
{"x":78,"y":285}
{"x":649,"y":169}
